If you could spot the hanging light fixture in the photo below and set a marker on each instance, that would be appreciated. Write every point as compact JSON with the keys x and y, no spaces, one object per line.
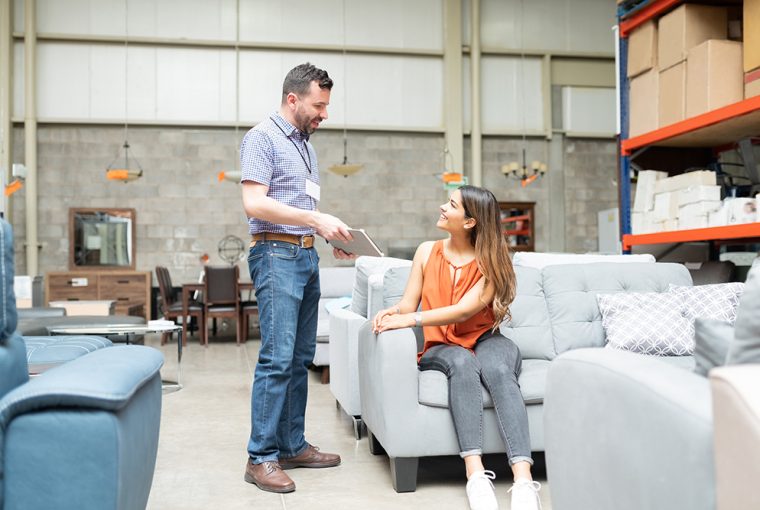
{"x":345,"y":169}
{"x":125,"y":173}
{"x":521,"y":171}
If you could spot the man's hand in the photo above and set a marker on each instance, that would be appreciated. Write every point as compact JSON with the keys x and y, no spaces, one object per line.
{"x":342,"y":255}
{"x":330,"y":227}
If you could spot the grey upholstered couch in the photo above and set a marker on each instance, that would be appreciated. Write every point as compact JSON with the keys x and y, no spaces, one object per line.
{"x":629,"y":432}
{"x":555,"y":311}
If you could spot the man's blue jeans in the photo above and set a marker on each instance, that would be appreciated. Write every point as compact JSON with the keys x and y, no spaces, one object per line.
{"x":286,"y":279}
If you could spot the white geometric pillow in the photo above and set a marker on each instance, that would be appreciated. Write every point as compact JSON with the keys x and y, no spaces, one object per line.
{"x":647,"y":323}
{"x":717,"y":301}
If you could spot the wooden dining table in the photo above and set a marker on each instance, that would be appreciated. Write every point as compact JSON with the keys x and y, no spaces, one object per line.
{"x":188,"y":288}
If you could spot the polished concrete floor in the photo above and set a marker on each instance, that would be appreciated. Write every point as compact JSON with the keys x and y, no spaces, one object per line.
{"x":205,"y":426}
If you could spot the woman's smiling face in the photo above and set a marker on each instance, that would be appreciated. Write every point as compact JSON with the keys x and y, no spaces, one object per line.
{"x":452,"y":216}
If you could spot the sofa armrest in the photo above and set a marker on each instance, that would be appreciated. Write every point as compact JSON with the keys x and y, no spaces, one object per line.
{"x":736,"y":411}
{"x":105,"y":379}
{"x":344,"y":359}
{"x":388,"y":384}
{"x":627,"y":431}
{"x":84,"y":434}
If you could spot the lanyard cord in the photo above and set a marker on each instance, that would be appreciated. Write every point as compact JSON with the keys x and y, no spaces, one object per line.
{"x":308,"y":165}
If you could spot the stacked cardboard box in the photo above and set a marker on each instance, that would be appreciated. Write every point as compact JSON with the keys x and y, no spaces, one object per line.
{"x":751,"y":32}
{"x":682,"y":65}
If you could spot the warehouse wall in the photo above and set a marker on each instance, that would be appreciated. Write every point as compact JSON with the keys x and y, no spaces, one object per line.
{"x":183,"y":211}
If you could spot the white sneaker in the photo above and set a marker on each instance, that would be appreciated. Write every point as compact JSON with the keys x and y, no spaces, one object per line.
{"x":525,"y":495}
{"x":480,"y":493}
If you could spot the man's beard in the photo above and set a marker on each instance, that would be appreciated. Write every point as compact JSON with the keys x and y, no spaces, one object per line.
{"x":304,"y":123}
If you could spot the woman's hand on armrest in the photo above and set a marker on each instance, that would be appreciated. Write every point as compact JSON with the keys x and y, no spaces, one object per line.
{"x":388,"y":319}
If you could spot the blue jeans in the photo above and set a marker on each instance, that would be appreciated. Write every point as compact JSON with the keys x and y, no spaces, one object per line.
{"x":286,"y":279}
{"x":495,"y":364}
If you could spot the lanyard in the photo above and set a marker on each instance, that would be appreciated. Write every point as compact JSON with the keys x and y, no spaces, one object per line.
{"x":308,"y":165}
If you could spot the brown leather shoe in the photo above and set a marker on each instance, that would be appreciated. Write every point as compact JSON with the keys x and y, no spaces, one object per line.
{"x":311,"y":458}
{"x":268,"y":476}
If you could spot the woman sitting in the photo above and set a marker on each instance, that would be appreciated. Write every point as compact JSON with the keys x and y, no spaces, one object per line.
{"x":465,"y":284}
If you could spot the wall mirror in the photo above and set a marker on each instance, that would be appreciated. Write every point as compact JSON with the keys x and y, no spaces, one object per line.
{"x":101,"y":238}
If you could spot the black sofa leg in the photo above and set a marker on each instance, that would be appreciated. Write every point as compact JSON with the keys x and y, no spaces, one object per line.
{"x":404,"y":473}
{"x":375,"y":448}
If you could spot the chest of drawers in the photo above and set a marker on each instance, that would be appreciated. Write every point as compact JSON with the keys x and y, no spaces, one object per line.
{"x":129,"y":289}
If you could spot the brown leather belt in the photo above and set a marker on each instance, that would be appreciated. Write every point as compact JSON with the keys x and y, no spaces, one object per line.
{"x":302,"y":241}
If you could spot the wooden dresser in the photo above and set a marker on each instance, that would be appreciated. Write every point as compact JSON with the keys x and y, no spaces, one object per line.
{"x":129,"y":289}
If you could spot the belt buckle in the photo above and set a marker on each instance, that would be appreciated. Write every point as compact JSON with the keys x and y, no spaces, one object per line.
{"x":301,"y":240}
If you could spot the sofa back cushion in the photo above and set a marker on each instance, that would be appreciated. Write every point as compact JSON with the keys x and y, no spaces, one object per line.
{"x":335,"y":282}
{"x":366,"y":267}
{"x":745,"y":347}
{"x":571,"y":295}
{"x":530,"y":327}
{"x":7,"y":297}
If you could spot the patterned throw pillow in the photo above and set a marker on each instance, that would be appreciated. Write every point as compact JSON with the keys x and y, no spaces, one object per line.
{"x":647,"y":323}
{"x":717,"y":301}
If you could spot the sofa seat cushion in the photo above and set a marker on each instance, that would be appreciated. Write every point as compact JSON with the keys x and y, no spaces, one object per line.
{"x":433,"y":386}
{"x":46,"y":352}
{"x":326,"y":306}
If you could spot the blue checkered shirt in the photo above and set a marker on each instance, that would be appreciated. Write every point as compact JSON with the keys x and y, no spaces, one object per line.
{"x":279,"y":155}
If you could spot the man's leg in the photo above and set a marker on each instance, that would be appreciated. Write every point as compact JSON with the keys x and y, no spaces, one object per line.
{"x":290,"y":430}
{"x":274,"y":272}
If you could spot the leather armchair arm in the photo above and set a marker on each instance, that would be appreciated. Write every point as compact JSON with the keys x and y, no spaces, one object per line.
{"x":105,"y":379}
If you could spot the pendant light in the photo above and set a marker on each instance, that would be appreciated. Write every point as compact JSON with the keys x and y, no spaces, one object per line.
{"x":125,"y":173}
{"x":345,"y":168}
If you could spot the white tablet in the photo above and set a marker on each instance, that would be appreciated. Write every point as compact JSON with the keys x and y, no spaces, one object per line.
{"x":361,"y":244}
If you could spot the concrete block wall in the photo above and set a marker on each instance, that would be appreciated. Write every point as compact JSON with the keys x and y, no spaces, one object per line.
{"x":183,"y":211}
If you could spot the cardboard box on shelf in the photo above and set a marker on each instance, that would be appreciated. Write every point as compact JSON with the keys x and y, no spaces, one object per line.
{"x":741,"y":210}
{"x":693,"y":221}
{"x":686,"y":27}
{"x":699,"y":208}
{"x":713,"y":76}
{"x":752,"y":83}
{"x":751,"y":34}
{"x":666,"y":226}
{"x":672,"y":95}
{"x":644,"y":198}
{"x":642,"y":49}
{"x":687,"y":180}
{"x":643,"y":101}
{"x":719,"y":217}
{"x":665,"y":206}
{"x":694,"y":194}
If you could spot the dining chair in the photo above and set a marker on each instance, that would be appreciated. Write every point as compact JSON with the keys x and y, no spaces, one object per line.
{"x":248,"y":309}
{"x":221,"y":296}
{"x":171,"y":306}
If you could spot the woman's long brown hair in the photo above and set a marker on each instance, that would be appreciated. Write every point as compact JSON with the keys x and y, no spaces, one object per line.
{"x":491,"y":248}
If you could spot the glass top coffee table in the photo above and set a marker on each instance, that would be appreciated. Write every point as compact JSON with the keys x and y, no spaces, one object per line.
{"x":129,"y":331}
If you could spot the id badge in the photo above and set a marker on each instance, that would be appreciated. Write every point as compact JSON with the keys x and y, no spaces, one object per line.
{"x":312,"y":189}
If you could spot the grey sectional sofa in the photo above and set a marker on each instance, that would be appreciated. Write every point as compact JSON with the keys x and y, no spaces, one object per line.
{"x":406,"y":411}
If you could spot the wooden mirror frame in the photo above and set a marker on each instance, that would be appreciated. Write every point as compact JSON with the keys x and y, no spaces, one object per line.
{"x":114,"y":211}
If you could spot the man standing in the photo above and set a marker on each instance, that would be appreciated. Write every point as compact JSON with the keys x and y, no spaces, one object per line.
{"x":280,"y":180}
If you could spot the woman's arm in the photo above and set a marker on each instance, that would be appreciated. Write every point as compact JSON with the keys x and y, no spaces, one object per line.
{"x":410,"y":301}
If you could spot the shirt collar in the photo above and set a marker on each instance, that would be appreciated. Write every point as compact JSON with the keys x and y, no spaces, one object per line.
{"x":289,"y":128}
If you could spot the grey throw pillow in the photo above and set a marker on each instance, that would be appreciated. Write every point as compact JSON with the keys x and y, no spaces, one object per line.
{"x":717,"y":301}
{"x":712,"y":339}
{"x":746,"y":345}
{"x":647,"y":323}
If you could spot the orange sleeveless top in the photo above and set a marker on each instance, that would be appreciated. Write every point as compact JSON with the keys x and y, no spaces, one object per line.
{"x":439,"y":290}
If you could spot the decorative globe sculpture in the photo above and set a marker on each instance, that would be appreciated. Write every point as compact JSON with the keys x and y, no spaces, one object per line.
{"x":231,"y":249}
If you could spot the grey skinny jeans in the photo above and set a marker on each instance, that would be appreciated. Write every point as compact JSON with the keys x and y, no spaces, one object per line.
{"x":496,"y":363}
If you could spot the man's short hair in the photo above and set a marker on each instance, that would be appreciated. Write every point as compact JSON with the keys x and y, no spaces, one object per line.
{"x":298,"y":80}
